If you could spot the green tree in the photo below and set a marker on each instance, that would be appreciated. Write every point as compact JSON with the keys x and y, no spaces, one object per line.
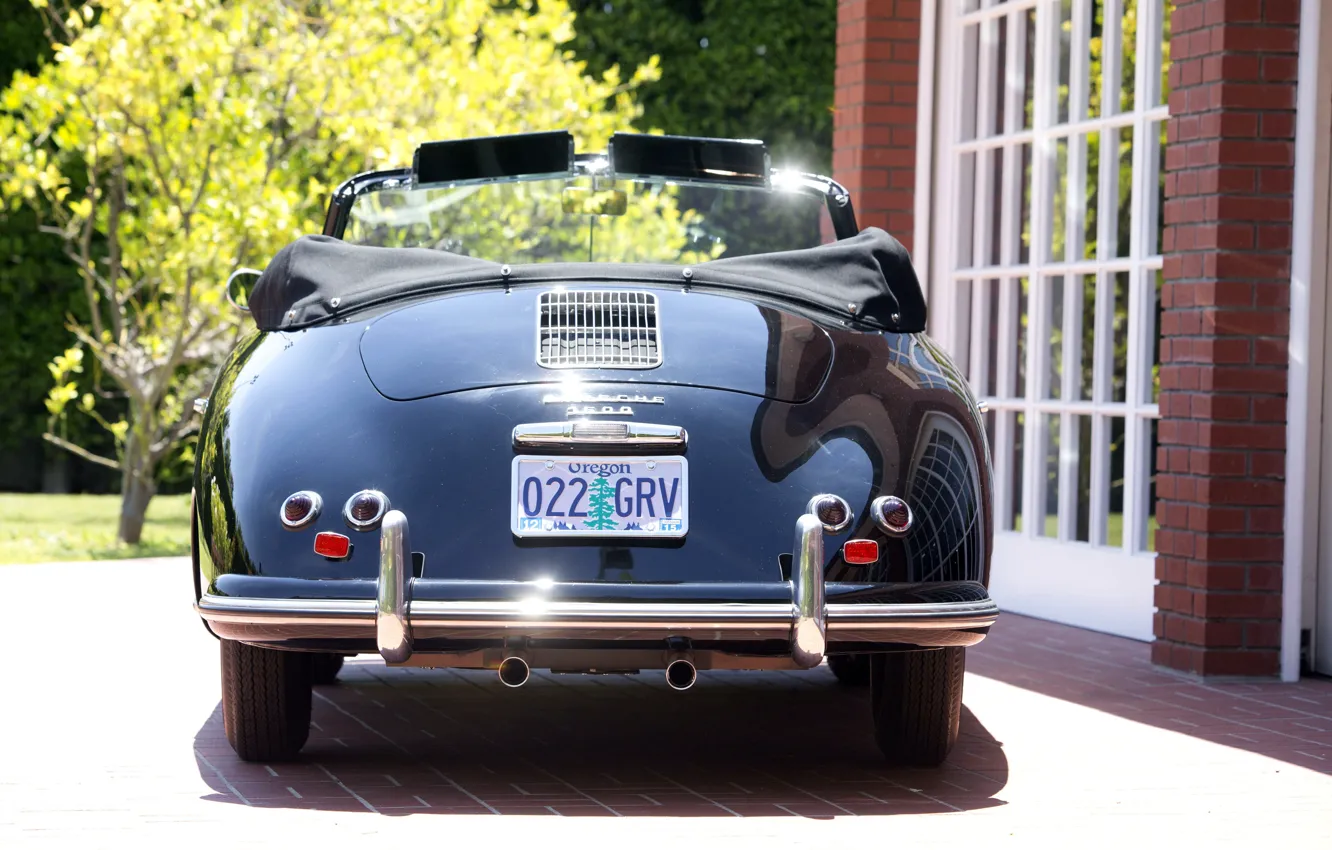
{"x":167,"y":143}
{"x":761,"y":69}
{"x":600,"y":505}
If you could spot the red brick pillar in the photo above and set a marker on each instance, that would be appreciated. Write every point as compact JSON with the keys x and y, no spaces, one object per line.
{"x":874,"y":123}
{"x":1221,"y":461}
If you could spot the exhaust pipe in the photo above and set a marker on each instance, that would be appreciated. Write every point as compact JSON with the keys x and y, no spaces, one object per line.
{"x":514,"y":672}
{"x":681,"y":674}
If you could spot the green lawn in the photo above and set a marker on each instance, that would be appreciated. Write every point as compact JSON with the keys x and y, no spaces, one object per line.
{"x":38,"y":527}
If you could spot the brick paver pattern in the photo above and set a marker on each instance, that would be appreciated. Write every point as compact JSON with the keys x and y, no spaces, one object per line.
{"x":1065,"y":732}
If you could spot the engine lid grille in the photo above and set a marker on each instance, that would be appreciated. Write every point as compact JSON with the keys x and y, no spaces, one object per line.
{"x":597,"y":329}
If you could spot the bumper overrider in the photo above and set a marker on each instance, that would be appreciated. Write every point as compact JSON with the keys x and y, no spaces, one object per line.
{"x":397,"y":623}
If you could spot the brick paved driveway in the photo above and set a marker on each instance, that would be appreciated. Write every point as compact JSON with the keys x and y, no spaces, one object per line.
{"x":110,"y":734}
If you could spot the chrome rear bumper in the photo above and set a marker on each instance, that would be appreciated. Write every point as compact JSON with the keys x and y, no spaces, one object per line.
{"x":395,"y":622}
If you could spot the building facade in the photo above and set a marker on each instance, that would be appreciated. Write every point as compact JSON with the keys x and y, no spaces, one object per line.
{"x":1119,"y":210}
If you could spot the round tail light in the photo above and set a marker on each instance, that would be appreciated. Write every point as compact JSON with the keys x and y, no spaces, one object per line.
{"x":300,"y":509}
{"x":892,"y":515}
{"x":832,"y":511}
{"x":365,"y":509}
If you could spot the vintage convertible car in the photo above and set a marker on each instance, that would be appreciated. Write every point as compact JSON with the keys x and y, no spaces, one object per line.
{"x":519,"y":407}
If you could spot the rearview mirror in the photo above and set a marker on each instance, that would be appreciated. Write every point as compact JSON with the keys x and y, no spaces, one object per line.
{"x":580,"y":200}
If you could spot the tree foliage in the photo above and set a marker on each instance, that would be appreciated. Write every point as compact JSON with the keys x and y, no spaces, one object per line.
{"x":760,"y":69}
{"x":167,"y":143}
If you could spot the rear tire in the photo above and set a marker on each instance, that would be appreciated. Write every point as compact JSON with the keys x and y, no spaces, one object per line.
{"x":852,"y":671}
{"x":265,"y":701}
{"x":324,"y":668}
{"x":916,"y":698}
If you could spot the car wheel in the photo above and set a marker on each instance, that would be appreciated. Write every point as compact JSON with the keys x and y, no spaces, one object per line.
{"x":916,"y":698}
{"x":265,"y":701}
{"x":324,"y":667}
{"x":853,"y":671}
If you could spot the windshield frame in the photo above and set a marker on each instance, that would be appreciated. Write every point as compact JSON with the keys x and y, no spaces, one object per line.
{"x":836,"y":198}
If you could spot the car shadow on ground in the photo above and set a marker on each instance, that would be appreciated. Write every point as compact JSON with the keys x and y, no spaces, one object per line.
{"x":1290,"y":721}
{"x":405,"y":741}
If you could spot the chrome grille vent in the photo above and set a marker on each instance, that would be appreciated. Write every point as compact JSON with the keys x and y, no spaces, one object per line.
{"x":598,"y":329}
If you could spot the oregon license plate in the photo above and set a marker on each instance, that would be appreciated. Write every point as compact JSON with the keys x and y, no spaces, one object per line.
{"x":600,"y":497}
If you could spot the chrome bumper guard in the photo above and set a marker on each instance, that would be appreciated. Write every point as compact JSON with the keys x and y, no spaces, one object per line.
{"x":397,"y":620}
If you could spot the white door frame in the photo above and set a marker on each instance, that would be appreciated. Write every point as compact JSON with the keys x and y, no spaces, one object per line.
{"x":1306,"y":595}
{"x":1113,"y":586}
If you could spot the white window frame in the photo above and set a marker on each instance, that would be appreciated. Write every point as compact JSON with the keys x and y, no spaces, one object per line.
{"x":1084,"y":583}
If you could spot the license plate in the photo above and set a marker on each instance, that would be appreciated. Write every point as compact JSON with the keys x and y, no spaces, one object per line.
{"x":600,"y":497}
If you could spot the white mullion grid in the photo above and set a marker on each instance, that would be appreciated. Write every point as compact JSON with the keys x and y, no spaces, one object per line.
{"x":1137,"y":435}
{"x":1081,"y":408}
{"x":1043,"y":109}
{"x":1088,"y":125}
{"x":1107,"y":225}
{"x":981,"y":231}
{"x":1137,"y":410}
{"x":1010,"y":230}
{"x":1075,"y":211}
{"x":1122,"y":264}
{"x":964,"y":192}
{"x":996,"y":10}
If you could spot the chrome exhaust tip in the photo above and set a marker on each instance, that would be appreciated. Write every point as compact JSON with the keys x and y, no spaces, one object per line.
{"x":681,"y":674}
{"x":514,"y":672}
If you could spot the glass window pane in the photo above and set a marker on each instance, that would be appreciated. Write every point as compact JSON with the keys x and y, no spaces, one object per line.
{"x":1049,"y":507}
{"x":966,"y":188}
{"x":1029,"y":72}
{"x":1087,"y":368}
{"x":1055,"y":329}
{"x":1065,"y":60}
{"x":994,"y":214}
{"x":1082,"y":527}
{"x":1059,"y":208}
{"x":1015,"y":486}
{"x":1114,"y":526}
{"x":962,"y":350}
{"x":1091,"y":184}
{"x":1128,"y":63}
{"x":1096,"y":48}
{"x":1024,"y":207}
{"x":1020,"y":360}
{"x":992,"y":334}
{"x":1121,"y":206}
{"x":970,"y":68}
{"x":1153,"y":291}
{"x":995,"y":89}
{"x":1149,"y":544}
{"x":1156,"y":134}
{"x":1166,"y":12}
{"x":1119,"y":339}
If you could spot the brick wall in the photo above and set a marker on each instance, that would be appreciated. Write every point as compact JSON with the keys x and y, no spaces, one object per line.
{"x":874,"y":123}
{"x":1229,"y":175}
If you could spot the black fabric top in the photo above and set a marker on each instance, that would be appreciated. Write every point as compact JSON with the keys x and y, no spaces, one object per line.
{"x":867,"y":278}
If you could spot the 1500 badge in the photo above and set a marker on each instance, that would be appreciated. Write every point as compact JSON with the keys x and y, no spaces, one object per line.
{"x":598,"y":404}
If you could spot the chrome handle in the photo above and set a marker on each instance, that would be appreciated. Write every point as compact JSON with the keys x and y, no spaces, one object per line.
{"x":589,"y":433}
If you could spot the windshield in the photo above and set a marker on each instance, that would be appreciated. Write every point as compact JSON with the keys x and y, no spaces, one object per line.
{"x":589,"y":219}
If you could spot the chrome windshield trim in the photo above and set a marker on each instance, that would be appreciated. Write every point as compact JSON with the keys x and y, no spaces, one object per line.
{"x":584,"y":433}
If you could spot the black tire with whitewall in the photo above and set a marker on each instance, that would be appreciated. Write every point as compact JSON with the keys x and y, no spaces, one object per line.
{"x":916,"y":699}
{"x":265,"y":701}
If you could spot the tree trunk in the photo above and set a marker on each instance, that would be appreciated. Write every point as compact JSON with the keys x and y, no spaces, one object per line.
{"x":136,"y":490}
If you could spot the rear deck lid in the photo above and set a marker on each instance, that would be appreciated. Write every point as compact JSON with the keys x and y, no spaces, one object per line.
{"x":594,"y":333}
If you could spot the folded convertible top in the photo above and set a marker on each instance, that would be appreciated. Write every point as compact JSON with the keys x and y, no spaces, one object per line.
{"x":867,"y":278}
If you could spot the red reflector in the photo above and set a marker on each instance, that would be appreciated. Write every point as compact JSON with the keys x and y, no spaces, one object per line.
{"x":332,"y":545}
{"x":860,"y":551}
